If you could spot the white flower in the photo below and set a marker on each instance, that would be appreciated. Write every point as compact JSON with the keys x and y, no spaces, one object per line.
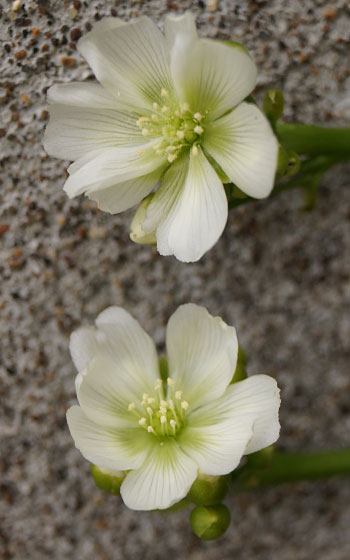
{"x":163,"y":432}
{"x":169,"y":108}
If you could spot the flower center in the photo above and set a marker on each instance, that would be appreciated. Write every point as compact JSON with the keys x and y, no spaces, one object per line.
{"x":175,"y":126}
{"x":162,"y":414}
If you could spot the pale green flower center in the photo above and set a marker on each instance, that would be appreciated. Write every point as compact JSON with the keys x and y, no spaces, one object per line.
{"x":175,"y":126}
{"x":162,"y":414}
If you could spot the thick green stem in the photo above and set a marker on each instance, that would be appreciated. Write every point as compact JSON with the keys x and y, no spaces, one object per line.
{"x":292,"y":467}
{"x":310,"y":139}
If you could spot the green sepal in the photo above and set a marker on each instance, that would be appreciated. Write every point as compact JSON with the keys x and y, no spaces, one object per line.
{"x":240,"y":371}
{"x":235,"y":45}
{"x":210,"y":522}
{"x":208,"y":490}
{"x":293,"y":165}
{"x":282,"y":162}
{"x":106,"y":480}
{"x":273,"y":105}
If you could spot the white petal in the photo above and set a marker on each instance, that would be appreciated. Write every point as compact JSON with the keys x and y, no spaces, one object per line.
{"x":242,"y":421}
{"x":73,"y":131}
{"x":192,"y":207}
{"x":83,"y":346}
{"x":164,"y":479}
{"x":244,"y":145}
{"x":217,"y":449}
{"x":130,"y":59}
{"x":105,"y":448}
{"x":212,"y":77}
{"x":124,"y":195}
{"x":181,"y":36}
{"x":113,"y":167}
{"x":81,"y":94}
{"x":202,"y":353}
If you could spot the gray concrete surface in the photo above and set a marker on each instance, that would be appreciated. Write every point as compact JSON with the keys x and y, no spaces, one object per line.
{"x":279,"y":275}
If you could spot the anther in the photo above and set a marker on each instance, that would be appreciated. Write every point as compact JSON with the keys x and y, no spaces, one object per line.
{"x":184,"y":405}
{"x":171,"y":158}
{"x":163,"y":403}
{"x":162,"y":419}
{"x":198,"y":116}
{"x":151,"y":400}
{"x":198,"y":129}
{"x":149,"y":410}
{"x":195,"y":151}
{"x":178,"y":395}
{"x":173,"y":424}
{"x":170,"y":382}
{"x":142,"y":421}
{"x":131,"y":406}
{"x":180,"y":134}
{"x":150,"y":430}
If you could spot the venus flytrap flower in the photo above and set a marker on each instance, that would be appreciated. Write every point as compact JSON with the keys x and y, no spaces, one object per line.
{"x":169,"y":111}
{"x":164,"y":432}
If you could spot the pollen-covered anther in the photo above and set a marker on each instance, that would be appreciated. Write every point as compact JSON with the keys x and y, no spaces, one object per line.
{"x":171,"y":158}
{"x":184,"y":405}
{"x":142,"y":421}
{"x":198,"y":116}
{"x":178,"y":395}
{"x":150,"y":429}
{"x":173,"y":425}
{"x":163,"y":419}
{"x":198,"y":129}
{"x":170,"y":382}
{"x":131,"y":406}
{"x":180,"y":134}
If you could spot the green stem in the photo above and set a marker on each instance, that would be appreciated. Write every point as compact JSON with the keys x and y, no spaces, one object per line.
{"x":311,"y":139}
{"x":292,"y":467}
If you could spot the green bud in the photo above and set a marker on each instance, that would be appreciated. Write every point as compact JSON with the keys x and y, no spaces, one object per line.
{"x":293,"y":164}
{"x":240,"y":371}
{"x":107,"y":480}
{"x":282,"y":163}
{"x":273,"y":104}
{"x":137,"y":234}
{"x":208,"y":490}
{"x":210,"y":522}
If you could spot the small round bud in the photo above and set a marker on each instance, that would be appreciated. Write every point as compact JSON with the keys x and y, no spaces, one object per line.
{"x":208,"y":490}
{"x":273,"y":104}
{"x":137,"y":234}
{"x":293,"y":164}
{"x":107,"y":480}
{"x":210,"y":522}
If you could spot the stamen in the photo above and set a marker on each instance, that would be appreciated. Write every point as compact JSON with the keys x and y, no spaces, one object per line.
{"x":131,"y":406}
{"x":195,"y":150}
{"x":184,"y":405}
{"x":142,"y":421}
{"x":198,"y":116}
{"x":162,"y":419}
{"x":180,"y":134}
{"x":178,"y":395}
{"x":158,"y":385}
{"x":171,"y":158}
{"x":163,"y":403}
{"x":150,"y":430}
{"x":198,"y":129}
{"x":151,"y":400}
{"x":150,"y":411}
{"x":170,"y":382}
{"x":173,"y":425}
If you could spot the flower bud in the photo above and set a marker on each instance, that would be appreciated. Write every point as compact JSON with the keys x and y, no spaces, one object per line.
{"x":137,"y":234}
{"x":208,"y":490}
{"x":273,"y":104}
{"x":293,"y":164}
{"x":210,"y":522}
{"x":107,"y":480}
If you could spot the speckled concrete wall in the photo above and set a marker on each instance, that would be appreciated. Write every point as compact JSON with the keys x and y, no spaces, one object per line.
{"x":278,"y":274}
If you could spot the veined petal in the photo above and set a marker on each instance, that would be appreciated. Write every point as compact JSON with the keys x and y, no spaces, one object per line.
{"x":129,"y":58}
{"x":81,"y":94}
{"x":164,"y":478}
{"x":202,"y":354}
{"x":73,"y":131}
{"x":243,"y":420}
{"x":122,"y":450}
{"x":212,"y":77}
{"x":217,"y":449}
{"x":181,"y":35}
{"x":124,"y":195}
{"x":112,"y":167}
{"x":192,"y":207}
{"x":244,"y":145}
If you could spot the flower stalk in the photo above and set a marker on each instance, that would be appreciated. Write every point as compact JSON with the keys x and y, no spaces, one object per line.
{"x":292,"y":467}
